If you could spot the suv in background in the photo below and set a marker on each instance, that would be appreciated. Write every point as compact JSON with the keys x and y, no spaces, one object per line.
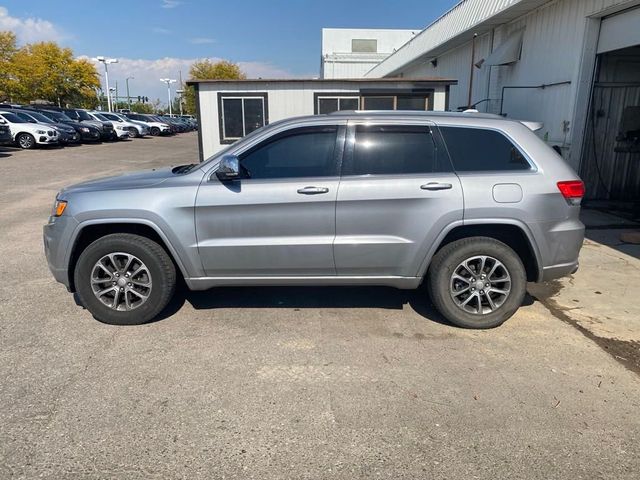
{"x":88,"y":133}
{"x":106,"y":128}
{"x":27,"y":134}
{"x":155,"y":126}
{"x":474,"y":205}
{"x":135,"y":129}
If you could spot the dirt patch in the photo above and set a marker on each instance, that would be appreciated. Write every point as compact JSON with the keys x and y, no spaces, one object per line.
{"x":625,"y":352}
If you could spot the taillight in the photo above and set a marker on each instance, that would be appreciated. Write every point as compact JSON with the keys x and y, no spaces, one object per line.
{"x":572,"y":191}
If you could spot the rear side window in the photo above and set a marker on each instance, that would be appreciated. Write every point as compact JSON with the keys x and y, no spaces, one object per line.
{"x":481,"y":150}
{"x":388,"y":150}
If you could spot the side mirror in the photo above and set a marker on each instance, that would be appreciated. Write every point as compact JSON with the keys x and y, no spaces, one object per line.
{"x":229,"y":168}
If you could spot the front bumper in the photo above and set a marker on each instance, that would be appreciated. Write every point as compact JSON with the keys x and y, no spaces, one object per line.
{"x":90,"y":136}
{"x":122,"y":134}
{"x":45,"y":139}
{"x":57,"y":235}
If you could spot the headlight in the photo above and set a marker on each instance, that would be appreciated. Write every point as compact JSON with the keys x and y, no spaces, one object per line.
{"x":40,"y":132}
{"x":59,"y":207}
{"x":84,"y":129}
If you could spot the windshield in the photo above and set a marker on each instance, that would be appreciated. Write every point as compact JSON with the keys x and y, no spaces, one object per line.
{"x":110,"y":116}
{"x":99,"y":116}
{"x":39,"y":117}
{"x":25,"y":117}
{"x":82,"y":115}
{"x":13,"y":118}
{"x":59,"y":116}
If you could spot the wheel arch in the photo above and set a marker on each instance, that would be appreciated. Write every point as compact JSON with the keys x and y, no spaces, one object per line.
{"x":510,"y":232}
{"x":88,"y":232}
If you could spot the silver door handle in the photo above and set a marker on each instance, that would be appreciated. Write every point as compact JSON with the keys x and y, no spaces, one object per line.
{"x":436,"y":186}
{"x":313,"y":190}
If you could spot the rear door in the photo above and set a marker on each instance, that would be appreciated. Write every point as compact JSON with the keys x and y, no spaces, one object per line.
{"x":396,"y":195}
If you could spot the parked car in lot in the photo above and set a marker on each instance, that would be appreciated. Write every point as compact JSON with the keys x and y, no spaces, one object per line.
{"x":106,"y":128}
{"x":26,"y":134}
{"x":5,"y":134}
{"x":136,"y":129}
{"x":120,"y":131}
{"x":66,"y":133}
{"x":155,"y":126}
{"x":474,"y":205}
{"x":88,"y":133}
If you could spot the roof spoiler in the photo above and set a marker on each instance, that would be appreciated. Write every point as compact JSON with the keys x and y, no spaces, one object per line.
{"x":533,"y":126}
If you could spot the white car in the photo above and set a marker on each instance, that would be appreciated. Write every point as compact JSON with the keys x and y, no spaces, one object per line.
{"x":121,"y":131}
{"x":27,"y":135}
{"x":136,"y":129}
{"x":155,"y":128}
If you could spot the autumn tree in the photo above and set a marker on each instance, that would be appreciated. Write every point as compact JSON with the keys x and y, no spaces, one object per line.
{"x":8,"y":49}
{"x":208,"y":70}
{"x":45,"y":71}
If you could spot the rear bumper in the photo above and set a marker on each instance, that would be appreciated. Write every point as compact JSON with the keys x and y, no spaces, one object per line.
{"x":559,"y":243}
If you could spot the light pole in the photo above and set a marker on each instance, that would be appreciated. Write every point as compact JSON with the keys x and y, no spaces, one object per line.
{"x":128,"y":97}
{"x":113,"y":90}
{"x":168,"y":81}
{"x":180,"y":92}
{"x":106,"y":62}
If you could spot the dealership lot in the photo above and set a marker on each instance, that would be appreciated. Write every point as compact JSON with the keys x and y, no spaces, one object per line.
{"x":303,"y":382}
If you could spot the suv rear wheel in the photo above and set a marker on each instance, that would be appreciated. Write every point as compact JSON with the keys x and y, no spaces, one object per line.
{"x":125,"y":279}
{"x":477,"y":282}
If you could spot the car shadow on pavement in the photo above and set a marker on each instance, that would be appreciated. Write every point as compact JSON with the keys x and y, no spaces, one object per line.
{"x":308,"y":297}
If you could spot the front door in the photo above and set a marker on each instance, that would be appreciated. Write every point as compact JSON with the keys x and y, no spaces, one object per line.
{"x":278,"y":219}
{"x":397,"y":194}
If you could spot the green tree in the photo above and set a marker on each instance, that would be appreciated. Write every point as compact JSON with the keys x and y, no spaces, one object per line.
{"x":208,"y":70}
{"x":140,"y":107}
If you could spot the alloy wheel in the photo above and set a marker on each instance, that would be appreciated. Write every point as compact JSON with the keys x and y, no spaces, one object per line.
{"x":480,"y":285}
{"x":121,"y":281}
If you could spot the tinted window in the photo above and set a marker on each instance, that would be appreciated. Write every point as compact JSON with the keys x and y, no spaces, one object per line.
{"x":476,"y":149}
{"x":13,"y":118}
{"x":386,"y":150}
{"x":307,"y":152}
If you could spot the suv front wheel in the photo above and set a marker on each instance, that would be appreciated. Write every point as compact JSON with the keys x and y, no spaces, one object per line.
{"x":125,"y":279}
{"x":477,"y":282}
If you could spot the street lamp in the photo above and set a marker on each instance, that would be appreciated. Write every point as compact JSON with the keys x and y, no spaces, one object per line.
{"x":128,"y":97}
{"x":168,"y":81}
{"x":180,"y":92}
{"x":106,"y":62}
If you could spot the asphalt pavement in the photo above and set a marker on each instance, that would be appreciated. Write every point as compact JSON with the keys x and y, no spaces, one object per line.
{"x":300,"y":383}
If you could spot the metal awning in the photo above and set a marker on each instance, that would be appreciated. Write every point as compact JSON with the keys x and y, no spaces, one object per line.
{"x":508,"y":52}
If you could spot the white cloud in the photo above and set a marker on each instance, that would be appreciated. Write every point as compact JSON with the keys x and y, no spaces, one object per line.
{"x":160,"y":30}
{"x":170,"y":3}
{"x":201,"y":40}
{"x":147,"y":74}
{"x":30,"y":29}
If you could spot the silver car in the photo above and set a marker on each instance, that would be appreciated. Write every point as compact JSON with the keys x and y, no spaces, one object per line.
{"x":472,"y":205}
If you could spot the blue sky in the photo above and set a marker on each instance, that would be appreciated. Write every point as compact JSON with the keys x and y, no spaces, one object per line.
{"x":269,"y":38}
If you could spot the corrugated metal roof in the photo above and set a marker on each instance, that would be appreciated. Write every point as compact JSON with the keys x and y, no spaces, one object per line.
{"x":455,"y":27}
{"x":429,"y":80}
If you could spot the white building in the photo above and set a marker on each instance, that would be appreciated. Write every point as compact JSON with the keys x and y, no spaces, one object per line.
{"x":352,"y":52}
{"x":229,"y":109}
{"x":572,"y":64}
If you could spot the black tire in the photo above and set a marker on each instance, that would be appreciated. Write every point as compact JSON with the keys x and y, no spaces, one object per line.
{"x":25,"y":141}
{"x":133,"y":132}
{"x":155,"y":131}
{"x":161,"y":269}
{"x":445,"y":262}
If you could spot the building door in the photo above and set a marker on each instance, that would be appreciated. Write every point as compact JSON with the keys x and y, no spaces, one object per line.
{"x":610,"y":163}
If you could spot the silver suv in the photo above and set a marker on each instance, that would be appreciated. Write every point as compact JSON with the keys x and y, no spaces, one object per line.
{"x":473,"y":205}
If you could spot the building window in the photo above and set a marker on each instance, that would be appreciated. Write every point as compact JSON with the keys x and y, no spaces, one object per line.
{"x":361,"y":45}
{"x":396,"y":102}
{"x":240,"y":114}
{"x":335,"y":102}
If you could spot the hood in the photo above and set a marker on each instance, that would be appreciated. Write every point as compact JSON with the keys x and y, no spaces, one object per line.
{"x":126,"y":181}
